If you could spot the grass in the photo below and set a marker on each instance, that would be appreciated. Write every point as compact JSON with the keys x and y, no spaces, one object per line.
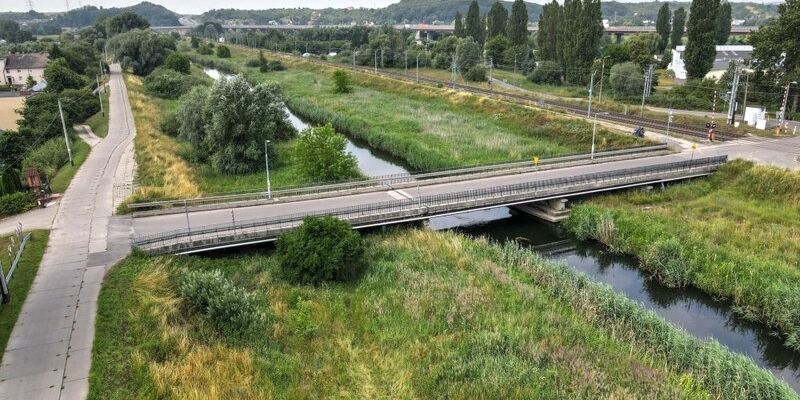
{"x":21,"y":281}
{"x":99,"y":121}
{"x":436,"y":315}
{"x":62,"y":179}
{"x":428,"y":127}
{"x":738,"y":235}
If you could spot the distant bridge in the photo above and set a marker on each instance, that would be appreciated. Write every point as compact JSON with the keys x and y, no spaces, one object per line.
{"x":618,"y":31}
{"x":183,"y":230}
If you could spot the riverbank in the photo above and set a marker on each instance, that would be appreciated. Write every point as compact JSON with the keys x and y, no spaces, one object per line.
{"x":436,"y":314}
{"x":735,"y":235}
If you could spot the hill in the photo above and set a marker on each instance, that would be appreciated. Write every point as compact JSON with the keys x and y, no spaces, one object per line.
{"x":155,"y":14}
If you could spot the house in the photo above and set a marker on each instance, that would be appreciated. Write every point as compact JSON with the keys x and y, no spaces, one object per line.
{"x":725,"y":54}
{"x":16,"y":68}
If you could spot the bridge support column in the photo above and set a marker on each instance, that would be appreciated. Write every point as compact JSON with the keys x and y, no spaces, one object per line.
{"x":551,"y":210}
{"x":619,"y":37}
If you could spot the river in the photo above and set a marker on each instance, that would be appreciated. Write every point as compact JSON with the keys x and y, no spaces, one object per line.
{"x":690,"y":309}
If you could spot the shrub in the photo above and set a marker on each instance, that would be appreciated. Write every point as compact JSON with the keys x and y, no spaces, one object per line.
{"x":476,"y":74}
{"x":253,"y":63}
{"x":666,"y":259}
{"x":9,"y":181}
{"x":321,"y":249}
{"x":205,"y":49}
{"x":178,"y":62}
{"x":626,"y":79}
{"x":228,"y":307}
{"x":341,"y":82}
{"x":170,"y":124}
{"x":195,"y":42}
{"x":547,"y":73}
{"x":169,"y":84}
{"x":223,"y":52}
{"x":276,"y":65}
{"x":48,"y":157}
{"x":321,"y":157}
{"x":15,"y":203}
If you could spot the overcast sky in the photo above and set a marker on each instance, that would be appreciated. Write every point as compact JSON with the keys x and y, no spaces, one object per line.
{"x":198,"y":6}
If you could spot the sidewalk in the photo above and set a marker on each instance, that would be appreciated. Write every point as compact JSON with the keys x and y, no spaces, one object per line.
{"x":48,"y":355}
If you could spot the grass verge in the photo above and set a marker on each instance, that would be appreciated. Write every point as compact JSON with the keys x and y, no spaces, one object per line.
{"x":99,"y":121}
{"x":62,"y":179}
{"x":21,"y":281}
{"x":436,"y":315}
{"x":735,"y":235}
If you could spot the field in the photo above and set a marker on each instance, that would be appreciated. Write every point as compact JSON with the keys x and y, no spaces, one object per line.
{"x":735,"y":235}
{"x":21,"y":280}
{"x":8,"y":115}
{"x":436,"y":315}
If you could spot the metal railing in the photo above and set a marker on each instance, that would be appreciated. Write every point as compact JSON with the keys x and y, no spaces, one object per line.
{"x":5,"y":278}
{"x":385,"y":180}
{"x":388,"y":211}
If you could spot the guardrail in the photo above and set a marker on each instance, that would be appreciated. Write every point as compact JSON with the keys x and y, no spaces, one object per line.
{"x":378,"y":182}
{"x":183,"y":240}
{"x":5,"y":279}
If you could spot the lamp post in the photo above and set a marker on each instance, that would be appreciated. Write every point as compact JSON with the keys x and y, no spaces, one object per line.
{"x":266,"y":164}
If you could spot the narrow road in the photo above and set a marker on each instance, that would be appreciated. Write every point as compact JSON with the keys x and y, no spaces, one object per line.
{"x":48,"y":355}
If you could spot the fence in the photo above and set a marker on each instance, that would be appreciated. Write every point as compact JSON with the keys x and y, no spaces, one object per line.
{"x":384,"y":180}
{"x":5,"y":279}
{"x":407,"y":209}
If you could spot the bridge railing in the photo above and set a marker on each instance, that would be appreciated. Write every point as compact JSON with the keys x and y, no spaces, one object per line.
{"x":385,"y":180}
{"x":186,"y":238}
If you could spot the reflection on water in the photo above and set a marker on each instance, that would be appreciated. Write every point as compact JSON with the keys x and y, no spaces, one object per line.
{"x":692,"y":310}
{"x":370,"y":162}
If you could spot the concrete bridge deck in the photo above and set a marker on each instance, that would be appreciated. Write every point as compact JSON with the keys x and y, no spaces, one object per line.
{"x":196,"y":231}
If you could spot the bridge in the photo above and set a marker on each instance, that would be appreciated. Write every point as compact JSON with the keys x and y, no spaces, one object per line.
{"x":198,"y":225}
{"x":618,"y":31}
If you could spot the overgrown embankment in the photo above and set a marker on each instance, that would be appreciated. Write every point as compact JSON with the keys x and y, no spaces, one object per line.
{"x":735,"y":235}
{"x":434,"y":315}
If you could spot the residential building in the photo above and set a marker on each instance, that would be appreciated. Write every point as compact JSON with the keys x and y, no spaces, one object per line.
{"x":725,"y":54}
{"x":16,"y":68}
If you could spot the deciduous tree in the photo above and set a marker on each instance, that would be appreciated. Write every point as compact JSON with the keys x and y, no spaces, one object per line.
{"x":701,"y":47}
{"x":496,"y":20}
{"x":663,"y":27}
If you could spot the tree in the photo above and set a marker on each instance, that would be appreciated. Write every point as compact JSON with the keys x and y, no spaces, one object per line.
{"x":472,"y":24}
{"x":776,"y":47}
{"x":140,"y":50}
{"x":125,"y":22}
{"x":496,"y":47}
{"x":30,"y":82}
{"x":469,"y":54}
{"x":496,"y":20}
{"x":678,"y":26}
{"x":60,"y":77}
{"x":192,"y":116}
{"x":321,"y":156}
{"x":578,"y":42}
{"x":724,"y":21}
{"x":662,"y":27}
{"x":195,"y":42}
{"x":548,"y":73}
{"x":321,"y":249}
{"x":10,"y":32}
{"x":641,"y":48}
{"x":458,"y":28}
{"x":341,"y":82}
{"x":476,"y":74}
{"x":517,"y":28}
{"x":626,"y":79}
{"x":178,"y":62}
{"x":701,"y":48}
{"x":239,"y":119}
{"x":223,"y":52}
{"x":549,"y":26}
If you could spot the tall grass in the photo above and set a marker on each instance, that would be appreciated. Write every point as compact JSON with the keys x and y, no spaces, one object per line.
{"x":437,"y":315}
{"x":735,"y":235}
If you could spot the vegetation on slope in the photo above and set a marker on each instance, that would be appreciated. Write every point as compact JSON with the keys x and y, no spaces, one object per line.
{"x":735,"y":235}
{"x":435,"y":315}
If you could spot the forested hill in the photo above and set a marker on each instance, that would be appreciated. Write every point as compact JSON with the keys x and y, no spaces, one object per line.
{"x":155,"y":14}
{"x":444,"y":11}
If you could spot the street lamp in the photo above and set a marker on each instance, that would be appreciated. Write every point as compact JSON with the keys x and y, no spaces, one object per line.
{"x":266,"y":163}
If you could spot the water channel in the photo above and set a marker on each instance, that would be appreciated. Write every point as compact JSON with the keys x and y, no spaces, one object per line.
{"x":690,"y":309}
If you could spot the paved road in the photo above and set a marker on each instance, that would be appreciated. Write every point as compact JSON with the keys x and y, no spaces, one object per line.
{"x":49,"y":352}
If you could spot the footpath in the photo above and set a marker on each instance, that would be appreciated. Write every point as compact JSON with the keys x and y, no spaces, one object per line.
{"x":48,"y":355}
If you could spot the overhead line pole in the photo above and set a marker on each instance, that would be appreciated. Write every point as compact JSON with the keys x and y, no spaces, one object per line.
{"x":66,"y":137}
{"x":591,"y":88}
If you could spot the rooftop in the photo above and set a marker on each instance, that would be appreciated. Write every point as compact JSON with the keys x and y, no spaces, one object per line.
{"x":26,"y":61}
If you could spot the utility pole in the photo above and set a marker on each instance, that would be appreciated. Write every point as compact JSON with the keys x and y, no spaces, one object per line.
{"x":490,"y":73}
{"x":515,"y":63}
{"x":376,"y":61}
{"x":266,"y":163}
{"x":732,"y":99}
{"x":645,"y":90}
{"x":100,"y":96}
{"x":602,"y":75}
{"x":455,"y":57}
{"x":594,"y":133}
{"x":354,"y":58}
{"x":66,"y":137}
{"x":591,"y":88}
{"x":382,"y":64}
{"x":406,"y":59}
{"x":744,"y":102}
{"x":417,"y":67}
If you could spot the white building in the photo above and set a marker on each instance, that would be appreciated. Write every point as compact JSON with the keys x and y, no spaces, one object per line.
{"x":725,"y":54}
{"x":16,"y":68}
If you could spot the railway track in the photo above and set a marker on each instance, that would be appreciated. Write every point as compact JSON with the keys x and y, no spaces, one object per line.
{"x":609,"y":116}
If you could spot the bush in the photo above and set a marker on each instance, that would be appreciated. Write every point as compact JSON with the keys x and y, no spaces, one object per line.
{"x":169,"y":84}
{"x":321,"y":156}
{"x":170,"y":124}
{"x":9,"y":181}
{"x":178,"y":62}
{"x":205,"y":49}
{"x":666,"y":259}
{"x":228,"y":307}
{"x":626,"y":79}
{"x":253,"y":63}
{"x":48,"y":157}
{"x":546,"y":73}
{"x":275,"y":65}
{"x":476,"y":74}
{"x":195,"y":42}
{"x":15,"y":203}
{"x":223,"y":52}
{"x":322,"y":249}
{"x":341,"y":82}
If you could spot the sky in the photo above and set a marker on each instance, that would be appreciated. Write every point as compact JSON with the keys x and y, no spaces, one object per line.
{"x":200,"y":6}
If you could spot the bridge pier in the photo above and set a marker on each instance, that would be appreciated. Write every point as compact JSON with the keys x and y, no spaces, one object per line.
{"x":551,"y":210}
{"x":619,"y":37}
